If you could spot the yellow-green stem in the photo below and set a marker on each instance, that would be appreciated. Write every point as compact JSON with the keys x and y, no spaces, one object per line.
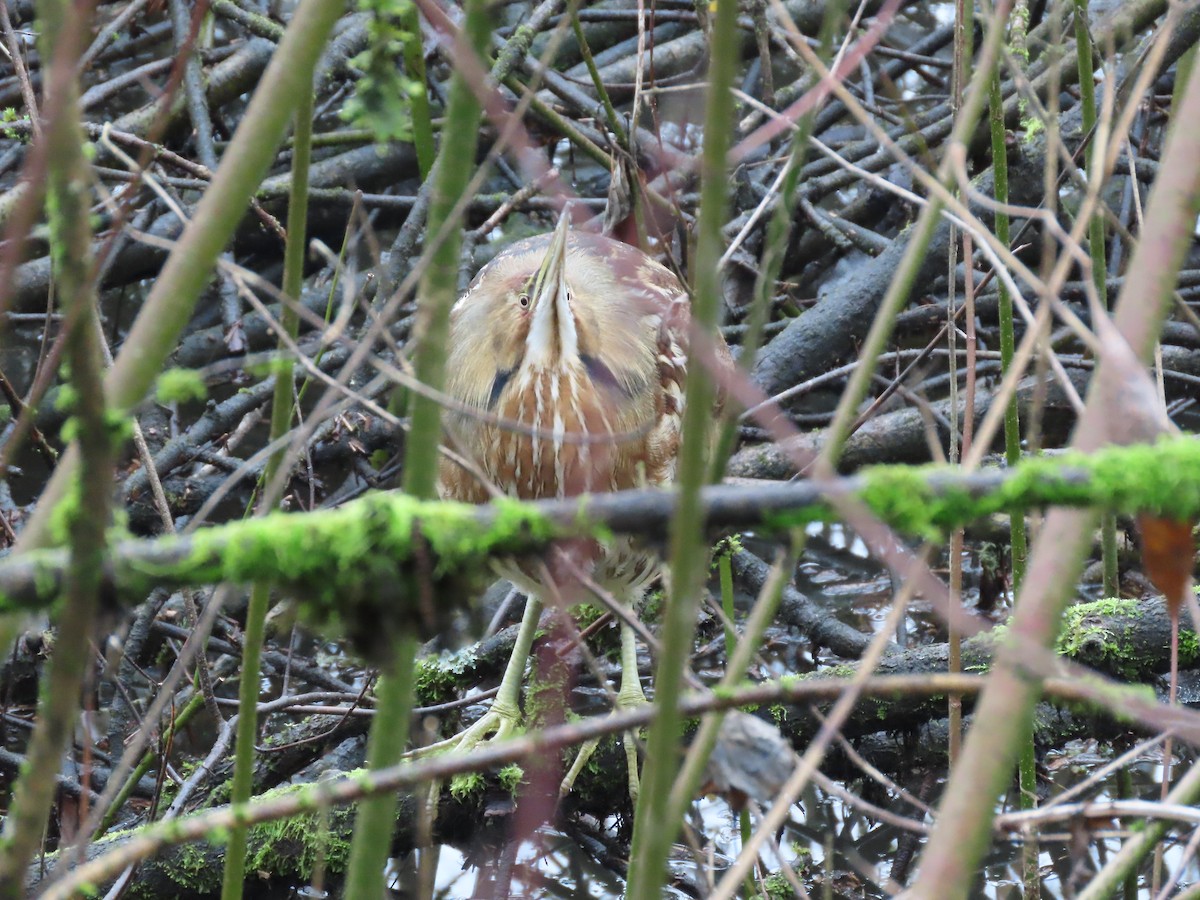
{"x":440,"y":284}
{"x":374,"y":823}
{"x":281,"y":421}
{"x":414,"y":63}
{"x":1096,"y":247}
{"x":610,"y":112}
{"x":652,"y":835}
{"x":1012,"y":421}
{"x":67,"y":202}
{"x":963,"y":23}
{"x":1027,"y":763}
{"x":148,"y":760}
{"x":725,"y":573}
{"x":375,"y":820}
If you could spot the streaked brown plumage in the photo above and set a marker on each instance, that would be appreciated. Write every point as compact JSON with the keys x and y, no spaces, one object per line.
{"x":623,"y":376}
{"x":572,"y":348}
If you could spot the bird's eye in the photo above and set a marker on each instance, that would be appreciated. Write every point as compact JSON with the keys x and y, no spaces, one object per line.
{"x":523,"y":299}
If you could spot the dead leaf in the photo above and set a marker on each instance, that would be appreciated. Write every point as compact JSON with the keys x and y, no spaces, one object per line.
{"x":1168,"y":555}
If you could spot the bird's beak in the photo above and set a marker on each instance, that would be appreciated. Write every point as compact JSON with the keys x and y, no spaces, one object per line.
{"x":554,"y":265}
{"x":553,"y":321}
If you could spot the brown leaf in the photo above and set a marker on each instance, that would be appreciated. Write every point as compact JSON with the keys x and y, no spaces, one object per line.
{"x":1168,"y":555}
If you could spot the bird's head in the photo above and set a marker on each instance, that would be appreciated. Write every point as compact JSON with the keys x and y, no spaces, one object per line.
{"x":550,"y":303}
{"x":546,"y":304}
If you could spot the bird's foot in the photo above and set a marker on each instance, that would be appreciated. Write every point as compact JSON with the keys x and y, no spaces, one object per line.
{"x":503,"y":719}
{"x":630,"y":697}
{"x":497,"y":724}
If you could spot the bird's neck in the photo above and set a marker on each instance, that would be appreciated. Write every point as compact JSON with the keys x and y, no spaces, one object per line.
{"x":553,"y":338}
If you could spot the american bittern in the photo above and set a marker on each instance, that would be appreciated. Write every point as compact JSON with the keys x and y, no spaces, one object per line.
{"x":573,"y":347}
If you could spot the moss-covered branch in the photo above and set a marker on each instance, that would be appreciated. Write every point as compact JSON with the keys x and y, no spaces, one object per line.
{"x":390,"y":562}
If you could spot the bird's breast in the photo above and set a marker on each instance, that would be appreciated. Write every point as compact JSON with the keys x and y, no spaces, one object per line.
{"x":565,"y":431}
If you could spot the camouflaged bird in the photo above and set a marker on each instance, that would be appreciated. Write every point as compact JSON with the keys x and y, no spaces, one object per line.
{"x":569,"y":352}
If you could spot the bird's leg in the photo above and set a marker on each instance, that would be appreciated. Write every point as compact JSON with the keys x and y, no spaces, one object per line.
{"x":508,"y":699}
{"x":504,"y":716}
{"x":630,"y":696}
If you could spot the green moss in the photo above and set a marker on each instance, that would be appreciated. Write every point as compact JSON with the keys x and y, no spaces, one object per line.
{"x":378,"y":459}
{"x":1082,"y":629}
{"x":180,"y":386}
{"x":467,"y":785}
{"x":1033,"y":126}
{"x":725,"y":692}
{"x":373,"y":565}
{"x":293,"y":846}
{"x":1189,"y":645}
{"x":927,"y":501}
{"x":63,"y":514}
{"x":191,"y":866}
{"x":778,"y":887}
{"x":8,"y":116}
{"x":370,"y":566}
{"x":66,"y":398}
{"x":652,"y":606}
{"x":586,"y":613}
{"x":438,"y":678}
{"x":727,"y":546}
{"x":510,"y":777}
{"x":842,"y":670}
{"x":1093,"y":631}
{"x":523,"y":36}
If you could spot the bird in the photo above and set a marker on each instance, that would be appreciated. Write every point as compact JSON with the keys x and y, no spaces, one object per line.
{"x":568,"y":357}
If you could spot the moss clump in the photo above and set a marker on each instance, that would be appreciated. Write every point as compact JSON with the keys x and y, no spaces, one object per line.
{"x":652,"y":606}
{"x":586,"y":613}
{"x":180,"y":386}
{"x":377,"y":565}
{"x":467,"y":785}
{"x":195,"y":865}
{"x":293,"y":846}
{"x":510,"y":777}
{"x":438,"y":678}
{"x":332,"y":550}
{"x":1096,"y":633}
{"x":1189,"y":645}
{"x":726,"y":547}
{"x":778,"y":887}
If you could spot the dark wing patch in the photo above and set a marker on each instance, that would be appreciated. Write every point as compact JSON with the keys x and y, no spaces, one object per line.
{"x":498,"y":384}
{"x":602,"y":375}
